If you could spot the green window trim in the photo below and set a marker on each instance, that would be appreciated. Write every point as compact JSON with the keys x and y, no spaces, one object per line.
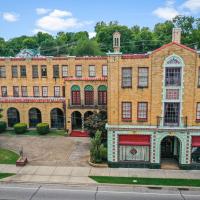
{"x":75,"y":88}
{"x":88,"y":88}
{"x":102,"y":88}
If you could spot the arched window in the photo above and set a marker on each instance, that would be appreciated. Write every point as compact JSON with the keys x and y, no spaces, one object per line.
{"x":102,"y":95}
{"x":34,"y":117}
{"x":89,"y":95}
{"x":13,"y":116}
{"x":75,"y":95}
{"x":57,"y":118}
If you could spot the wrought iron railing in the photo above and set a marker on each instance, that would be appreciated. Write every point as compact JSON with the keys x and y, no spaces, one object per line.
{"x":182,"y":122}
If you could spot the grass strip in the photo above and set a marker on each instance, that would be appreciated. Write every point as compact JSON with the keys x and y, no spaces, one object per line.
{"x":146,"y":181}
{"x":4,"y":175}
{"x":8,"y":157}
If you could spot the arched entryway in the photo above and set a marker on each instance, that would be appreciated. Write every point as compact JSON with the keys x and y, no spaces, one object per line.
{"x":57,"y":118}
{"x":34,"y":117}
{"x":13,"y":116}
{"x":170,"y":152}
{"x":76,"y":120}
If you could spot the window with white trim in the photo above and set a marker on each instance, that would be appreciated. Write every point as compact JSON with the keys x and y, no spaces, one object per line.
{"x":44,"y":91}
{"x":2,"y":72}
{"x":142,"y":111}
{"x":36,"y":92}
{"x":142,"y":77}
{"x":15,"y":91}
{"x":4,"y":92}
{"x":104,"y":70}
{"x":198,"y":111}
{"x":126,"y":111}
{"x":57,"y":91}
{"x":78,"y":71}
{"x":127,"y":77}
{"x":64,"y":71}
{"x":24,"y":91}
{"x":92,"y":71}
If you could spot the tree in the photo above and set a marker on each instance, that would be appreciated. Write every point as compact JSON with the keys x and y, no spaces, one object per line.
{"x":87,"y":48}
{"x":98,"y":152}
{"x":95,"y":122}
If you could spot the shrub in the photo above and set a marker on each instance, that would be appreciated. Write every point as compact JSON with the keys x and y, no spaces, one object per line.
{"x":103,"y":152}
{"x":20,"y":128}
{"x":43,"y":128}
{"x":2,"y":126}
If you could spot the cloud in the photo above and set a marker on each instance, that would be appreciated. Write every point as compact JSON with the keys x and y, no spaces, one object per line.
{"x":10,"y":17}
{"x":59,"y":20}
{"x":92,"y":34}
{"x":42,"y":11}
{"x":166,"y":13}
{"x":192,"y":5}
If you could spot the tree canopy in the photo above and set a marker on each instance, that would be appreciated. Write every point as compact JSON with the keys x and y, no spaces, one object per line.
{"x":134,"y":39}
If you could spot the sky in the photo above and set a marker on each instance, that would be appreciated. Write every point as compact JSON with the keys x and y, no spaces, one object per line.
{"x":27,"y":17}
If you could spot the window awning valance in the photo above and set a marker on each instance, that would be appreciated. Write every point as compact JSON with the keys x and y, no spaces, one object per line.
{"x":135,"y":140}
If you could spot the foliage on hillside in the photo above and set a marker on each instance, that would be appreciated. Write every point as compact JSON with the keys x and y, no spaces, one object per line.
{"x":134,"y":39}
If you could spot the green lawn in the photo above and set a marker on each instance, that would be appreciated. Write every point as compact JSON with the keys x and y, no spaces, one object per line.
{"x":4,"y":175}
{"x":146,"y":181}
{"x":35,"y":133}
{"x":8,"y":157}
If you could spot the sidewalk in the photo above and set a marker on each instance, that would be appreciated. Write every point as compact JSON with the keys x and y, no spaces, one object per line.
{"x":79,"y":175}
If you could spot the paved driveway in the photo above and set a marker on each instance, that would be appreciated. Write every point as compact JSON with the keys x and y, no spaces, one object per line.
{"x":50,"y":150}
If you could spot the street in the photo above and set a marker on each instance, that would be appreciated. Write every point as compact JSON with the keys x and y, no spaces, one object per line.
{"x":63,"y":192}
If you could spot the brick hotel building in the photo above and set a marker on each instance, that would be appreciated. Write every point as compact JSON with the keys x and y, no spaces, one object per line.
{"x":152,"y":99}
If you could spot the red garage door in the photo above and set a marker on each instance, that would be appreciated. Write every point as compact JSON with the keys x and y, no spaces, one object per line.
{"x":136,"y":140}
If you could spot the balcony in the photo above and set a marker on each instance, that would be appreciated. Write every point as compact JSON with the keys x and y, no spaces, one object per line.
{"x":83,"y":106}
{"x":161,"y":122}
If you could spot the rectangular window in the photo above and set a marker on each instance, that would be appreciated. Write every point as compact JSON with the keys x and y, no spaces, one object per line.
{"x":173,"y":76}
{"x":142,"y":77}
{"x":64,"y":71}
{"x":195,"y":154}
{"x":198,"y":112}
{"x":4,"y":91}
{"x":35,"y":71}
{"x":104,"y":70}
{"x":57,"y":91}
{"x":78,"y":71}
{"x":172,"y":94}
{"x":199,"y":77}
{"x":14,"y":71}
{"x":24,"y":91}
{"x":23,"y":71}
{"x":15,"y":91}
{"x":76,"y":97}
{"x":142,"y":111}
{"x":92,"y":71}
{"x":127,"y":77}
{"x":2,"y":72}
{"x":43,"y":71}
{"x":171,"y":114}
{"x":36,"y":92}
{"x":126,"y":111}
{"x":56,"y":71}
{"x":44,"y":91}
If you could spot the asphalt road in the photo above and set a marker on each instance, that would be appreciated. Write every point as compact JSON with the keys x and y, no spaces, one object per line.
{"x":61,"y":192}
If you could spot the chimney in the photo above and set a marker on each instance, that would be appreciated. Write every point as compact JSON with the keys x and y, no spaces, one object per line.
{"x":116,"y":42}
{"x":176,"y":35}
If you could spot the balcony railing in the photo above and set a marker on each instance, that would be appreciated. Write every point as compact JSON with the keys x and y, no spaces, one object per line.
{"x":82,"y":105}
{"x":182,"y":122}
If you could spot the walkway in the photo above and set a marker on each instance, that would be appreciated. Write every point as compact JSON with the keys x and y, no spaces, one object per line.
{"x":79,"y":175}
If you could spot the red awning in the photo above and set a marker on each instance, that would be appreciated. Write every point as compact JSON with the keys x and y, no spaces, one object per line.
{"x":196,"y":141}
{"x":136,"y":140}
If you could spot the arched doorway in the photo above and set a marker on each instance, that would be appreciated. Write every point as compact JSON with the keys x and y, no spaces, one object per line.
{"x":170,"y":152}
{"x":34,"y":117}
{"x":57,"y":118}
{"x":76,"y":120}
{"x":13,"y":116}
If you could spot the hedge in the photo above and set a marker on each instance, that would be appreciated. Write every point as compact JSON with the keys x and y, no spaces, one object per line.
{"x":43,"y":128}
{"x":20,"y":128}
{"x":2,"y":126}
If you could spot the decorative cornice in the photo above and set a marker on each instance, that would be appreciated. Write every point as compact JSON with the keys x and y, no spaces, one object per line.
{"x":86,"y":79}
